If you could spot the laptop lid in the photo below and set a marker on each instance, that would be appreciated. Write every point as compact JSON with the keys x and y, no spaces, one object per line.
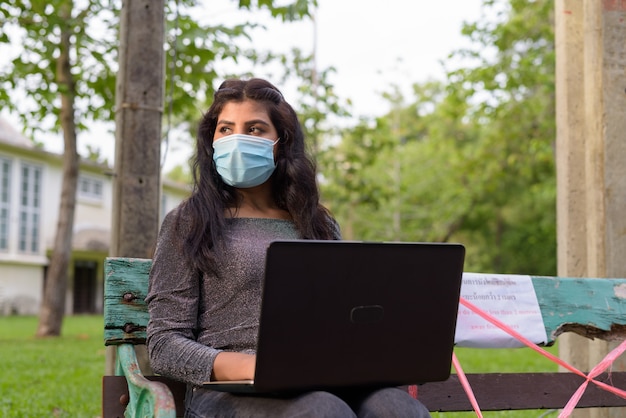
{"x":346,"y":314}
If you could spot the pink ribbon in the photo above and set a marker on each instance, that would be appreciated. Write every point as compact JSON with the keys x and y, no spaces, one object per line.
{"x":466,"y":386}
{"x":571,"y":404}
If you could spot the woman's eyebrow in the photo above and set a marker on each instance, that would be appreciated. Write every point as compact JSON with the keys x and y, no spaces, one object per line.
{"x":249,"y":122}
{"x":257,"y":121}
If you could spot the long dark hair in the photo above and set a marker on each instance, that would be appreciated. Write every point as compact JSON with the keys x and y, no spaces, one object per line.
{"x":294,"y":186}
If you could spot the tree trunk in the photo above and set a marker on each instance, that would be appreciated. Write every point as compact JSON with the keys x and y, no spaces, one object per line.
{"x":53,"y":304}
{"x":139,"y":104}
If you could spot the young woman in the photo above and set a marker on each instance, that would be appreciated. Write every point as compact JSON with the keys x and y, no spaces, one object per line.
{"x":253,"y":184}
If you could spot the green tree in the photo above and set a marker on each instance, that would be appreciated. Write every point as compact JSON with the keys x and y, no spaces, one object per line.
{"x":66,"y":67}
{"x":347,"y":185}
{"x":61,"y":94}
{"x":407,"y":182}
{"x":511,"y":86}
{"x":471,"y":158}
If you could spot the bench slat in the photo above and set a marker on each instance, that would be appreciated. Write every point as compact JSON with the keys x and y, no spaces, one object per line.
{"x":593,"y":308}
{"x":518,"y":391}
{"x":494,"y":392}
{"x":125,"y":311}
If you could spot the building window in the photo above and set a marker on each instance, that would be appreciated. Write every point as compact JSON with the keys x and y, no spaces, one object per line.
{"x":30,"y":209}
{"x":5,"y":193}
{"x":90,"y":188}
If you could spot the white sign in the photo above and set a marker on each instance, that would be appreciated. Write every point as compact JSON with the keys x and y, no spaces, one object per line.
{"x":509,"y":298}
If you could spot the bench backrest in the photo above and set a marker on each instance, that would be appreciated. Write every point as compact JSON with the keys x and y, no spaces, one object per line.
{"x":594,"y":308}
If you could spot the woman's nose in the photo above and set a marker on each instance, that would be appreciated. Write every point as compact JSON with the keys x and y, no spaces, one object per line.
{"x":238,"y":130}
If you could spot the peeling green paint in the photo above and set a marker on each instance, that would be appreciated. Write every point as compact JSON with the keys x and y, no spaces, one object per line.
{"x":589,"y":302}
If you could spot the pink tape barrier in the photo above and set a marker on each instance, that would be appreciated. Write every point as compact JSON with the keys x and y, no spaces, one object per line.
{"x":466,"y":386}
{"x":571,"y":404}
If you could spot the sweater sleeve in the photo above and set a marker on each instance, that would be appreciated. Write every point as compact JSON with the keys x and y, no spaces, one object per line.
{"x":173,"y":300}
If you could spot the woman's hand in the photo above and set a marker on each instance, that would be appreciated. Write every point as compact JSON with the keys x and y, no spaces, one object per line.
{"x":233,"y":366}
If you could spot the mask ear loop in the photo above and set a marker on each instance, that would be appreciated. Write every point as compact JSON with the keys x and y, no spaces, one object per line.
{"x":275,"y":150}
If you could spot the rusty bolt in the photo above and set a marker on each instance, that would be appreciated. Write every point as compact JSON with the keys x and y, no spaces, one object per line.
{"x":129,"y":297}
{"x":124,"y":399}
{"x":130,"y":328}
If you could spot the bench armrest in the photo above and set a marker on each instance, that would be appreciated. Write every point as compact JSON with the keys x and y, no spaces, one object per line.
{"x":147,"y":398}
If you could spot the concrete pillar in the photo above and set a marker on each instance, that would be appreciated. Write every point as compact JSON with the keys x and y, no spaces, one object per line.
{"x":591,"y":156}
{"x":570,"y":159}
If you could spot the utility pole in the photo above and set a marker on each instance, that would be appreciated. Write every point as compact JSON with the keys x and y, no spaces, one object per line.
{"x":591,"y":176}
{"x":139,"y":112}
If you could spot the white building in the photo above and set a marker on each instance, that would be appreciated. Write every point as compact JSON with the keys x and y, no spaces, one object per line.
{"x":30,"y":189}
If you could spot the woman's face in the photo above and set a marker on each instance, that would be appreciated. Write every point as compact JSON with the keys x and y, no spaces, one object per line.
{"x":248,"y":117}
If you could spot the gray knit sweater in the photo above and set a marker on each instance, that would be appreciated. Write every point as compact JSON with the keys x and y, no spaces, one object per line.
{"x":194,"y":315}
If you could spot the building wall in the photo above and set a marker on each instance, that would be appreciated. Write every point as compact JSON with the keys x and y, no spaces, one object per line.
{"x":21,"y":287}
{"x":22,"y":275}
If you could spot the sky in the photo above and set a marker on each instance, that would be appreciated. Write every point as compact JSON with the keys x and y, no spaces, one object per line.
{"x":372,"y":45}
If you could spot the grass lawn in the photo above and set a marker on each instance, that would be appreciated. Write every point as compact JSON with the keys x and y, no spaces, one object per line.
{"x":61,"y":377}
{"x":51,"y":377}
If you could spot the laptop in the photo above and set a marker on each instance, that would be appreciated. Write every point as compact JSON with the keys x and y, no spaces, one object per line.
{"x":347,"y":314}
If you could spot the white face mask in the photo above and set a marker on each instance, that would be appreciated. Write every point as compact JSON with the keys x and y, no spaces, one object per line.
{"x":244,"y":160}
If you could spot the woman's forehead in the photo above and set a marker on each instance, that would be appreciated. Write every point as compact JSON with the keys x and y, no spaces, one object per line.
{"x":236,"y":111}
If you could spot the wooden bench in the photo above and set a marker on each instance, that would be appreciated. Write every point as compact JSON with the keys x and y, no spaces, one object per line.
{"x":129,"y":393}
